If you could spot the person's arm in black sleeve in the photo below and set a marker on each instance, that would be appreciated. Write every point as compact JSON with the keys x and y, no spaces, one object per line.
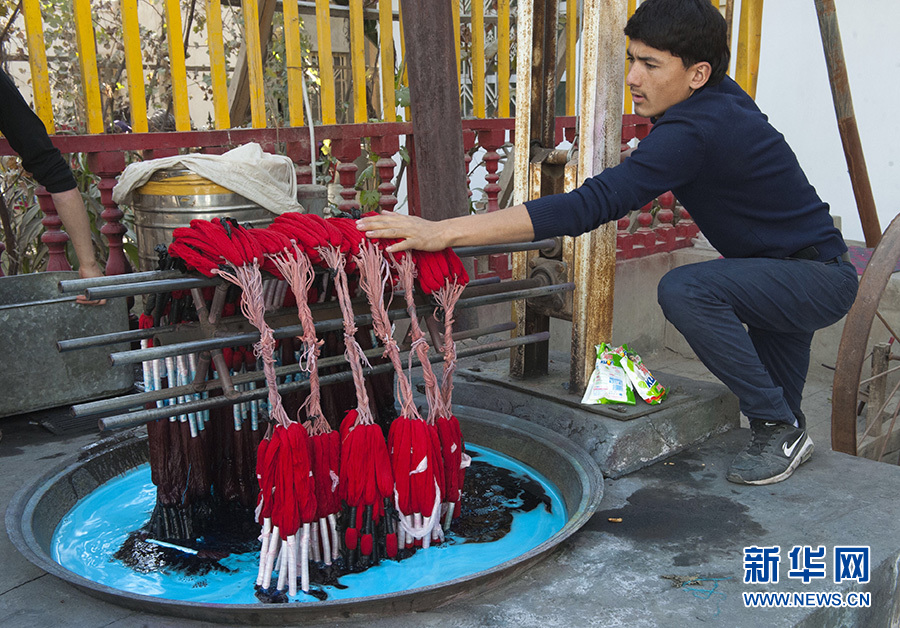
{"x":28,"y":137}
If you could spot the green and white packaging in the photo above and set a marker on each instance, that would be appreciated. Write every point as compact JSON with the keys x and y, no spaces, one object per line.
{"x":646,"y":385}
{"x":609,"y":382}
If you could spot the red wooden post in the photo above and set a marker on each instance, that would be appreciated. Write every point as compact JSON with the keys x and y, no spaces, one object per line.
{"x":645,"y":237}
{"x":107,"y":166}
{"x":346,"y":151}
{"x":666,"y":216}
{"x":300,"y":155}
{"x":54,"y":237}
{"x":624,"y":239}
{"x":665,"y":232}
{"x":385,"y":147}
{"x":686,"y":228}
{"x":491,"y":140}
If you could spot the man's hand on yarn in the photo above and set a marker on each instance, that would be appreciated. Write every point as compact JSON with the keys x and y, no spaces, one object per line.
{"x":512,"y":224}
{"x":414,"y":232}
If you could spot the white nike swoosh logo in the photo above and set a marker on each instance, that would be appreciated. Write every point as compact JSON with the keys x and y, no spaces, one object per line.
{"x":788,"y":451}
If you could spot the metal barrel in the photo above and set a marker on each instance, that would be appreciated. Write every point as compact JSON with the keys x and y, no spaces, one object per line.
{"x":175,"y":196}
{"x":314,"y":198}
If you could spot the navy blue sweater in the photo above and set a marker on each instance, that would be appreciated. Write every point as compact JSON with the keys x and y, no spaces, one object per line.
{"x":28,"y":137}
{"x":727,"y":165}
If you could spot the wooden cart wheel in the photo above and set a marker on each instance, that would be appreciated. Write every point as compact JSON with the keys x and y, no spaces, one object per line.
{"x":854,"y":349}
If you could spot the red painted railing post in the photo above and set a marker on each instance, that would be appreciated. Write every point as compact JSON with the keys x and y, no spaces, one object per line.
{"x":491,"y":140}
{"x":299,"y":153}
{"x":107,"y":166}
{"x":624,"y":238}
{"x":686,"y":229}
{"x":346,"y":151}
{"x":54,"y":237}
{"x":666,"y":216}
{"x":385,"y":147}
{"x":645,"y":237}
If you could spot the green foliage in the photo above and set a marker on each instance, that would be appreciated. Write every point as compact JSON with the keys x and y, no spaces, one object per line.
{"x":22,"y":221}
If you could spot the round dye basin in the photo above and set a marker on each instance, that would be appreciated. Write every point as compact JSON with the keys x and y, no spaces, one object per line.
{"x":36,"y":510}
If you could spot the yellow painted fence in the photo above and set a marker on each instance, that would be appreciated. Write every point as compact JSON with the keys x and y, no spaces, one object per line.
{"x":484,"y":28}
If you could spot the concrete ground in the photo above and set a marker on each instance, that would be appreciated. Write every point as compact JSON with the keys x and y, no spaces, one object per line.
{"x":666,"y":549}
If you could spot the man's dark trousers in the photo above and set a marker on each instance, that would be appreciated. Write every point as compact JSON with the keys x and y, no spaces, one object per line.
{"x":781,"y":302}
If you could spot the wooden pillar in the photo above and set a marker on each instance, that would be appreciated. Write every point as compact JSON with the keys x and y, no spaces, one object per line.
{"x":846,"y":119}
{"x":603,"y":44}
{"x":436,"y":116}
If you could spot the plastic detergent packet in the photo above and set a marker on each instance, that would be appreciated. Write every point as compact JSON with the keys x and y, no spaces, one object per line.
{"x":646,"y":385}
{"x":609,"y":382}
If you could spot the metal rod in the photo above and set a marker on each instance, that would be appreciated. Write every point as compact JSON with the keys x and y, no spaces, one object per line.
{"x":111,"y":338}
{"x":129,"y":336}
{"x":169,"y":280}
{"x":495,"y":249}
{"x":134,"y":357}
{"x":530,"y":293}
{"x":207,"y":344}
{"x":483,"y":281}
{"x":137,"y":400}
{"x":148,"y":287}
{"x":133,"y":401}
{"x":77,"y":285}
{"x":145,"y":416}
{"x":11,"y":306}
{"x":510,"y":285}
{"x":486,"y":331}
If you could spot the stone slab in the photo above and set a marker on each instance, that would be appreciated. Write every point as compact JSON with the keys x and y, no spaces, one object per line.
{"x":621,"y":439}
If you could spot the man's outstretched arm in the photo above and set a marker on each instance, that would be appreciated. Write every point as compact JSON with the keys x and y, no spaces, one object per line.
{"x":512,"y":224}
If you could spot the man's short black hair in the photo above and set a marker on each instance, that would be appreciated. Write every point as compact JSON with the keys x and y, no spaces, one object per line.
{"x":693,"y":30}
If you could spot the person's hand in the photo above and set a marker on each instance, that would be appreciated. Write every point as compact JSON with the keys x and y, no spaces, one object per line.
{"x":85,"y":272}
{"x":414,"y":232}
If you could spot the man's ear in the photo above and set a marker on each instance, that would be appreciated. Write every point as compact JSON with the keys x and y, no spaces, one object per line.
{"x":701,"y":72}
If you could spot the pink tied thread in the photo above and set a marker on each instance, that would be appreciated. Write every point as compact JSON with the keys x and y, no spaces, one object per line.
{"x":446,"y":297}
{"x":406,"y":272}
{"x":297,"y":270}
{"x":373,"y":276}
{"x":353,"y":353}
{"x":249,"y":279}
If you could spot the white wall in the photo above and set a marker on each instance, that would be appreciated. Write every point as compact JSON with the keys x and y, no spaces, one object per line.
{"x":794,"y":91}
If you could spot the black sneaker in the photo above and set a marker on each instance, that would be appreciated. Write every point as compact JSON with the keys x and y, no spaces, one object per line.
{"x":775,"y":450}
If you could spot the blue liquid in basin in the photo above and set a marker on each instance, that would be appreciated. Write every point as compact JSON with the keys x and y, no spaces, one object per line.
{"x":93,"y":531}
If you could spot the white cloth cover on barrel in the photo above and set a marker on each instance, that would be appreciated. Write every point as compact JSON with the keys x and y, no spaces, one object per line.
{"x":263,"y":178}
